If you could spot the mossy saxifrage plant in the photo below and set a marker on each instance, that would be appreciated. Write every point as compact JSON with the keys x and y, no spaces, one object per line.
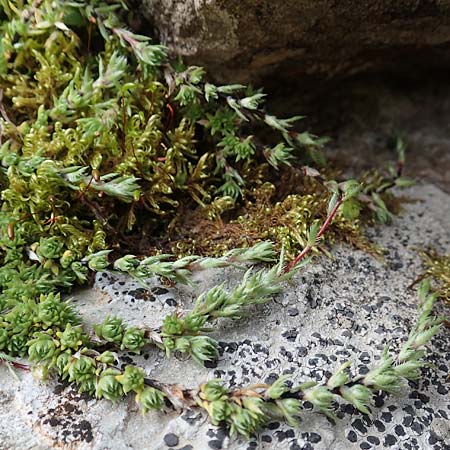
{"x":104,"y":143}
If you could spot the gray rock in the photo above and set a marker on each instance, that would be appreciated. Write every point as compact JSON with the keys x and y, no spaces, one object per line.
{"x":242,"y":40}
{"x":364,"y":306}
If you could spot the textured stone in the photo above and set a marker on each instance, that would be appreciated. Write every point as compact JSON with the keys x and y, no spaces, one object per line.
{"x":40,"y":416}
{"x":242,"y":40}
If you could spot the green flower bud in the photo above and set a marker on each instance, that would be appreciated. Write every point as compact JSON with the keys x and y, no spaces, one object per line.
{"x":132,"y":379}
{"x":67,"y":259}
{"x":425,"y":336}
{"x":133,"y":339}
{"x":41,"y":348}
{"x":340,"y":377}
{"x":278,"y":388}
{"x":50,"y":248}
{"x":168,"y":345}
{"x":212,"y":390}
{"x":98,"y":261}
{"x":203,"y":348}
{"x":410,"y":369}
{"x":172,"y":325}
{"x":108,"y":387}
{"x":242,"y":422}
{"x":72,"y":337}
{"x":3,"y":338}
{"x":51,"y":311}
{"x":388,"y":381}
{"x":218,"y":411}
{"x":126,"y":264}
{"x":20,"y":318}
{"x":358,"y":395}
{"x":17,"y":344}
{"x":62,"y":363}
{"x":150,"y":398}
{"x":383,"y":377}
{"x":182,"y":344}
{"x":321,"y":397}
{"x":351,"y":188}
{"x":195,"y":322}
{"x":254,"y":405}
{"x":82,"y":370}
{"x":290,"y":408}
{"x":87,"y":386}
{"x":80,"y":271}
{"x":106,"y":358}
{"x":111,"y":330}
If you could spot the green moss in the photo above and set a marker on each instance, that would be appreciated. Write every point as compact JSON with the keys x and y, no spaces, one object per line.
{"x":437,"y":268}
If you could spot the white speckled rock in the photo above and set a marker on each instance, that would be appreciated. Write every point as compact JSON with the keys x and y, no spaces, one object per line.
{"x":345,"y":308}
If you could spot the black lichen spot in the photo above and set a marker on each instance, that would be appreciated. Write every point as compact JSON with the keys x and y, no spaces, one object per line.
{"x":314,"y":438}
{"x":171,"y":302}
{"x":142,"y":294}
{"x":290,"y":335}
{"x":159,"y":291}
{"x":171,"y":440}
{"x":373,"y":440}
{"x":351,"y":436}
{"x":389,"y":440}
{"x":358,"y":425}
{"x":85,"y":429}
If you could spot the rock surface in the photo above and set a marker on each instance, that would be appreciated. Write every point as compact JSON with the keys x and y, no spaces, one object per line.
{"x":243,"y":40}
{"x":343,"y":308}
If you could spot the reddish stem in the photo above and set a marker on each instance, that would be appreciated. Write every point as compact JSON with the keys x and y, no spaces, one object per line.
{"x":322,"y":230}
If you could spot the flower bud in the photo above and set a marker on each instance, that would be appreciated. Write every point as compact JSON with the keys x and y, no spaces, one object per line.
{"x":172,"y":325}
{"x":98,"y":261}
{"x":126,"y":264}
{"x":20,"y":318}
{"x":203,"y":348}
{"x":340,"y":377}
{"x":194,"y":322}
{"x":106,"y":358}
{"x":133,"y":339}
{"x":108,"y":387}
{"x":132,"y":379}
{"x":67,"y":259}
{"x":218,"y":411}
{"x":290,"y":409}
{"x":254,"y":405}
{"x":72,"y":337}
{"x":182,"y":344}
{"x":62,"y":363}
{"x":278,"y":388}
{"x":150,"y":398}
{"x":3,"y":338}
{"x":82,"y":370}
{"x":243,"y":422}
{"x":41,"y":348}
{"x":111,"y":330}
{"x":212,"y":390}
{"x":17,"y":344}
{"x":358,"y":395}
{"x":80,"y":271}
{"x":321,"y":397}
{"x":409,"y":369}
{"x":50,"y":248}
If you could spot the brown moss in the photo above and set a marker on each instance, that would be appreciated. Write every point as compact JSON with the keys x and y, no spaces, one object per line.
{"x":281,"y":211}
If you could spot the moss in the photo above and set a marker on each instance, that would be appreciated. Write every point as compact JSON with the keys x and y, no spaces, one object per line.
{"x":108,"y":144}
{"x":437,"y":267}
